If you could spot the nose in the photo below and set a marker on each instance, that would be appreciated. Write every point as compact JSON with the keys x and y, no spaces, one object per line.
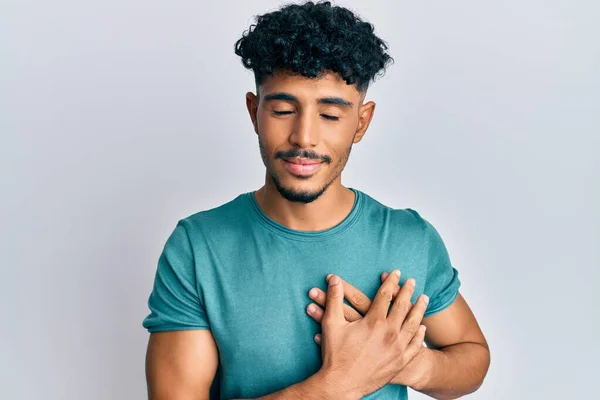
{"x":305,"y":131}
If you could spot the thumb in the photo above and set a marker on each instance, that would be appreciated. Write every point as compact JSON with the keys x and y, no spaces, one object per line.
{"x":334,"y":310}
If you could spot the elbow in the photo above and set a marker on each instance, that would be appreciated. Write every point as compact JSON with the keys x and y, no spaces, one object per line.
{"x":482,"y":371}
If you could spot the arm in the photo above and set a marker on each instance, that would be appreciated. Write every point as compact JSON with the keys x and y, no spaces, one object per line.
{"x":182,"y":356}
{"x":457,"y":358}
{"x":316,"y":387}
{"x":181,"y":365}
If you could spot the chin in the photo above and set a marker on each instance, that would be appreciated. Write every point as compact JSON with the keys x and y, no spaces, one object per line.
{"x":300,"y":193}
{"x":300,"y":196}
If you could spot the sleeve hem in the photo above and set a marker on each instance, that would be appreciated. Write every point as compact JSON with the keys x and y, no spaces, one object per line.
{"x":441,"y":306}
{"x":177,"y":328}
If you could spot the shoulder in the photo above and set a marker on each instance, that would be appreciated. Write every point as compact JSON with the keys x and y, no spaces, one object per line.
{"x":216,"y":227}
{"x":395,"y":218}
{"x":217,"y":217}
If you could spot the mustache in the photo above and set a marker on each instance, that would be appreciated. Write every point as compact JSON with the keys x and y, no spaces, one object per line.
{"x":302,"y":154}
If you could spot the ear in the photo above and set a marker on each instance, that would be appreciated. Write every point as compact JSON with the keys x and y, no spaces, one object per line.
{"x":365,"y":114}
{"x":252,"y":106}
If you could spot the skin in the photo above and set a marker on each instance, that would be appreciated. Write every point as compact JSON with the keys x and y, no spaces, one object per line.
{"x":366,"y":354}
{"x":454,"y":326}
{"x":306,"y":128}
{"x":294,"y":116}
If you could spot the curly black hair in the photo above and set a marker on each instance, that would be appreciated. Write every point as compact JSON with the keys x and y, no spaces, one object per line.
{"x":310,"y":39}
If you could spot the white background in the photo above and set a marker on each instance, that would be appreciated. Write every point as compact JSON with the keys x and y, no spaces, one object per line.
{"x":118,"y":118}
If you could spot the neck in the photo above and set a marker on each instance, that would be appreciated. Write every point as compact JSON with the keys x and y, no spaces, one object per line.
{"x":325,"y":212}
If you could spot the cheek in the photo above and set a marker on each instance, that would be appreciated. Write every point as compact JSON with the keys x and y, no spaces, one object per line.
{"x":273,"y":131}
{"x":272,"y":137}
{"x":267,"y":120}
{"x":340,"y":137}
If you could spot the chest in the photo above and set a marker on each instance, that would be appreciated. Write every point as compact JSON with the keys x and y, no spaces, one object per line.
{"x":257,"y":304}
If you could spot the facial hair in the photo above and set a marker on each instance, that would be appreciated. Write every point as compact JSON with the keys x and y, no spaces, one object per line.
{"x":302,"y":196}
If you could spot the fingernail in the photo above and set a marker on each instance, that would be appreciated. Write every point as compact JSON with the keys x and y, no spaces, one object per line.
{"x":397,"y":272}
{"x":411,"y":282}
{"x":313,"y":293}
{"x":311,"y":308}
{"x":334,"y":281}
{"x":426,"y":299}
{"x":328,"y":276}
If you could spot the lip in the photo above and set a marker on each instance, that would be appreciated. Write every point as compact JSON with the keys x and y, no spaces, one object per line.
{"x":301,"y":166}
{"x":303,"y":161}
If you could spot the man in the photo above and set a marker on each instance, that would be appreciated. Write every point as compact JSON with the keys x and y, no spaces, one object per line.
{"x":228,"y":308}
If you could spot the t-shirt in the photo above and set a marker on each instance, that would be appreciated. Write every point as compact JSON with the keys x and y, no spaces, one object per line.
{"x":235,"y":271}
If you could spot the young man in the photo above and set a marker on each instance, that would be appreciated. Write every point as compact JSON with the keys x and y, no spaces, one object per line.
{"x":231,"y":294}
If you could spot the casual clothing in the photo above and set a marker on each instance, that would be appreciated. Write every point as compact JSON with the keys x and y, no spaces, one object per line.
{"x":245,"y":277}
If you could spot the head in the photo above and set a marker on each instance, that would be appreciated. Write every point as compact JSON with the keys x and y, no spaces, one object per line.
{"x":312,"y":64}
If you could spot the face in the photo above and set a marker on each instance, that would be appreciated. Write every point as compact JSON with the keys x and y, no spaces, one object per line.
{"x":306,"y":129}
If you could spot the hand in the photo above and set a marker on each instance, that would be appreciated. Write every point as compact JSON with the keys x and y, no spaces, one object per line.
{"x":414,"y":370}
{"x":355,"y":297}
{"x":363,"y":355}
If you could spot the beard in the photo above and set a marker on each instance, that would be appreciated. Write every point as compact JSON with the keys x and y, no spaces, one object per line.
{"x":302,"y":196}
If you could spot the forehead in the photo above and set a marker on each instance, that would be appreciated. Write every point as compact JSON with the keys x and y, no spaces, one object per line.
{"x":329,"y":84}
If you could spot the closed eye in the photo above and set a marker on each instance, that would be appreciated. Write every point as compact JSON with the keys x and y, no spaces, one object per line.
{"x":326,"y":116}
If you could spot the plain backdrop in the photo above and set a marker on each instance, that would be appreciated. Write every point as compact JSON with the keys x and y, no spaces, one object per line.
{"x":118,"y":118}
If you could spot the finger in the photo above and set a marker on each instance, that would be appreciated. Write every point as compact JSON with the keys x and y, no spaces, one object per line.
{"x":319,"y":296}
{"x":381,"y":304}
{"x":334,"y":313}
{"x":315,"y":312}
{"x":356,"y":298}
{"x":350,"y":314}
{"x":352,"y":294}
{"x":415,"y":316}
{"x":396,"y":289}
{"x":402,"y":305}
{"x":318,"y":338}
{"x":415,"y":344}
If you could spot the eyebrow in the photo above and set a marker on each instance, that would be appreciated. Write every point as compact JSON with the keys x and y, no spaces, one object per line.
{"x":338,"y":101}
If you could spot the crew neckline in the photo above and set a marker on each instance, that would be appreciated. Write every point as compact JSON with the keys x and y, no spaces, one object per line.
{"x":283,"y":230}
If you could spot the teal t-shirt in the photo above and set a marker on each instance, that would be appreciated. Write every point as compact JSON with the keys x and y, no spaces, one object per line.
{"x":245,"y":277}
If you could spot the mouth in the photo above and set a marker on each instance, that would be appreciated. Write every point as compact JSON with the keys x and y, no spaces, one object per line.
{"x":301,"y":166}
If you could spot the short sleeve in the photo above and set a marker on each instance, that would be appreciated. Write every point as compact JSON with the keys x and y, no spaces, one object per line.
{"x":174,"y":302}
{"x":441,"y":282}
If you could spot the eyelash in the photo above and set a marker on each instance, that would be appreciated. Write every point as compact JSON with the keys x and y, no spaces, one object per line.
{"x":327,"y":117}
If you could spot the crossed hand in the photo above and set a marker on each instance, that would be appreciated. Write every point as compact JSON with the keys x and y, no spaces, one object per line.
{"x":370,"y":344}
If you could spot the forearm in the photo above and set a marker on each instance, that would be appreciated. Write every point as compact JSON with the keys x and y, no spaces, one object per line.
{"x":453,"y":371}
{"x":318,"y":386}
